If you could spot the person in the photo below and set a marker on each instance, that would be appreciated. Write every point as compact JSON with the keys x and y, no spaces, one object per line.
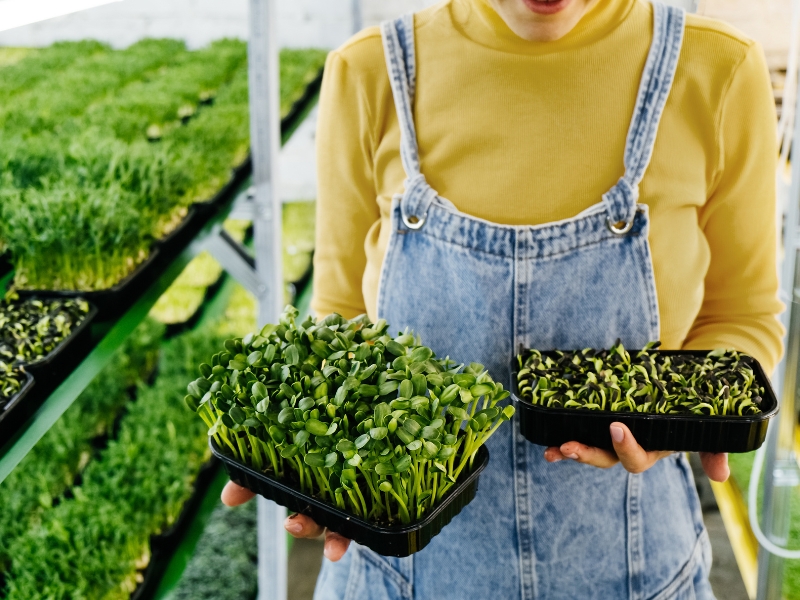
{"x":555,"y":174}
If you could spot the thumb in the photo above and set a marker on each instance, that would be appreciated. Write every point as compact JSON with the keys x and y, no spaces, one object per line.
{"x":632,"y":456}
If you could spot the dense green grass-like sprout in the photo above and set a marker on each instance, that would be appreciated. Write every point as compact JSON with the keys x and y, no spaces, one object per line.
{"x":70,"y":238}
{"x":720,"y":383}
{"x":375,"y":425}
{"x":135,"y":136}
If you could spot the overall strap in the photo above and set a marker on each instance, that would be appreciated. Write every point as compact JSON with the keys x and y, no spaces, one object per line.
{"x":398,"y":46}
{"x":656,"y":83}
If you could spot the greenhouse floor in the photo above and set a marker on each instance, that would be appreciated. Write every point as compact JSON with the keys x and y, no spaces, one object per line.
{"x":305,"y":559}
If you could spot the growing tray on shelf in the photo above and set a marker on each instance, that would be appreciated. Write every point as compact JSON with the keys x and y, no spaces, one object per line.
{"x":5,"y":265}
{"x":238,"y":176}
{"x":296,"y":111}
{"x":111,"y":303}
{"x":180,"y":236}
{"x":164,"y":544}
{"x":69,"y":352}
{"x":19,"y":396}
{"x":691,"y":433}
{"x":401,"y":540}
{"x":19,"y":408}
{"x":48,"y":372}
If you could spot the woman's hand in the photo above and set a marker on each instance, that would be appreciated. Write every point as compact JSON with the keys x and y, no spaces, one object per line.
{"x":632,"y":456}
{"x":299,"y":526}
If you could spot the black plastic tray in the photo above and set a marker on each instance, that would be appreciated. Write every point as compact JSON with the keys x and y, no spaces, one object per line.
{"x":555,"y":426}
{"x":69,"y":352}
{"x":5,"y":265}
{"x":311,"y":90}
{"x":16,"y":398}
{"x":48,"y":372}
{"x":179,"y":237}
{"x":111,"y":303}
{"x":163,"y":545}
{"x":389,"y":541}
{"x":19,"y":408}
{"x":238,"y":176}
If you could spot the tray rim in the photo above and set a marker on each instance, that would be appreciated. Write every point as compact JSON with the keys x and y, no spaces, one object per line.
{"x":481,"y":461}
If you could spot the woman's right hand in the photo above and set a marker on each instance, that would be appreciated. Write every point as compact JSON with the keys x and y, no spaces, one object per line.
{"x":299,"y":526}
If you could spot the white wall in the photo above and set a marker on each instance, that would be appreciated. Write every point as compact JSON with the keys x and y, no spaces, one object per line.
{"x":302,"y":23}
{"x":766,"y":21}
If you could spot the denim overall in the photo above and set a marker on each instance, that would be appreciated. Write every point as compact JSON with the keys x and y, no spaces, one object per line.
{"x":476,"y":290}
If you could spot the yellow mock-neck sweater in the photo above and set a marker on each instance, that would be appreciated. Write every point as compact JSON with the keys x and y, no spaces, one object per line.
{"x":521,"y":132}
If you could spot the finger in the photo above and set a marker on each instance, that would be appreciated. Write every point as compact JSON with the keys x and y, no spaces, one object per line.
{"x":588,"y":455}
{"x":234,"y":494}
{"x":715,"y":466}
{"x":301,"y":526}
{"x":335,"y":546}
{"x":633,"y":457}
{"x":553,"y":454}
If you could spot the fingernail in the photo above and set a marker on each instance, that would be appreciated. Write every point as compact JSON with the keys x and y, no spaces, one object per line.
{"x":572,"y":456}
{"x":327,"y":551}
{"x":556,"y":459}
{"x":293,"y":526}
{"x":617,"y":434}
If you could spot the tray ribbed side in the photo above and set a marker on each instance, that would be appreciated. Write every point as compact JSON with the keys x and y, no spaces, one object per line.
{"x":554,"y":426}
{"x":545,"y":427}
{"x":389,"y":541}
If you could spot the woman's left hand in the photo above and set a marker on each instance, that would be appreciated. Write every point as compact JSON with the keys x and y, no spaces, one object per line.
{"x":632,"y":456}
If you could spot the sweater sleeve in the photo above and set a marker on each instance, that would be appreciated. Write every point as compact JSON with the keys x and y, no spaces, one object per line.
{"x":741,"y":305}
{"x":346,"y":197}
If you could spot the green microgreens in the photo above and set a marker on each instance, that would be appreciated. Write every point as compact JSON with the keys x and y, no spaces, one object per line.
{"x":32,"y":328}
{"x":721,"y":383}
{"x":104,"y":154}
{"x":370,"y":423}
{"x":11,"y":381}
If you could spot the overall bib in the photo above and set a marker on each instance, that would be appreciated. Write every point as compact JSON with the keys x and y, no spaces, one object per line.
{"x":476,"y":290}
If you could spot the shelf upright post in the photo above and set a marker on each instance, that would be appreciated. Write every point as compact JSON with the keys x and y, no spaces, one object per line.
{"x":358,"y":21}
{"x":780,"y":466}
{"x":263,"y":72}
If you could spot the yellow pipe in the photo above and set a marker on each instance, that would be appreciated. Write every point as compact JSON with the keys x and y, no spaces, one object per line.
{"x":733,"y":510}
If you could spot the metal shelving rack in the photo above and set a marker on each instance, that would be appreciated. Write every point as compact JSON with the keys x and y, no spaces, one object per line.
{"x":257,"y":201}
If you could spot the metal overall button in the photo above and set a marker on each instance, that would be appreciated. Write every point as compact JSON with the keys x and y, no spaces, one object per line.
{"x":620,"y":227}
{"x":413,"y":221}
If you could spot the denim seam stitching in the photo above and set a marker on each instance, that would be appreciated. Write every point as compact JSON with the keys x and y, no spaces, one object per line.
{"x":387,"y":260}
{"x":650,"y":285}
{"x":542,"y":257}
{"x":685,"y":574}
{"x":398,"y":578}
